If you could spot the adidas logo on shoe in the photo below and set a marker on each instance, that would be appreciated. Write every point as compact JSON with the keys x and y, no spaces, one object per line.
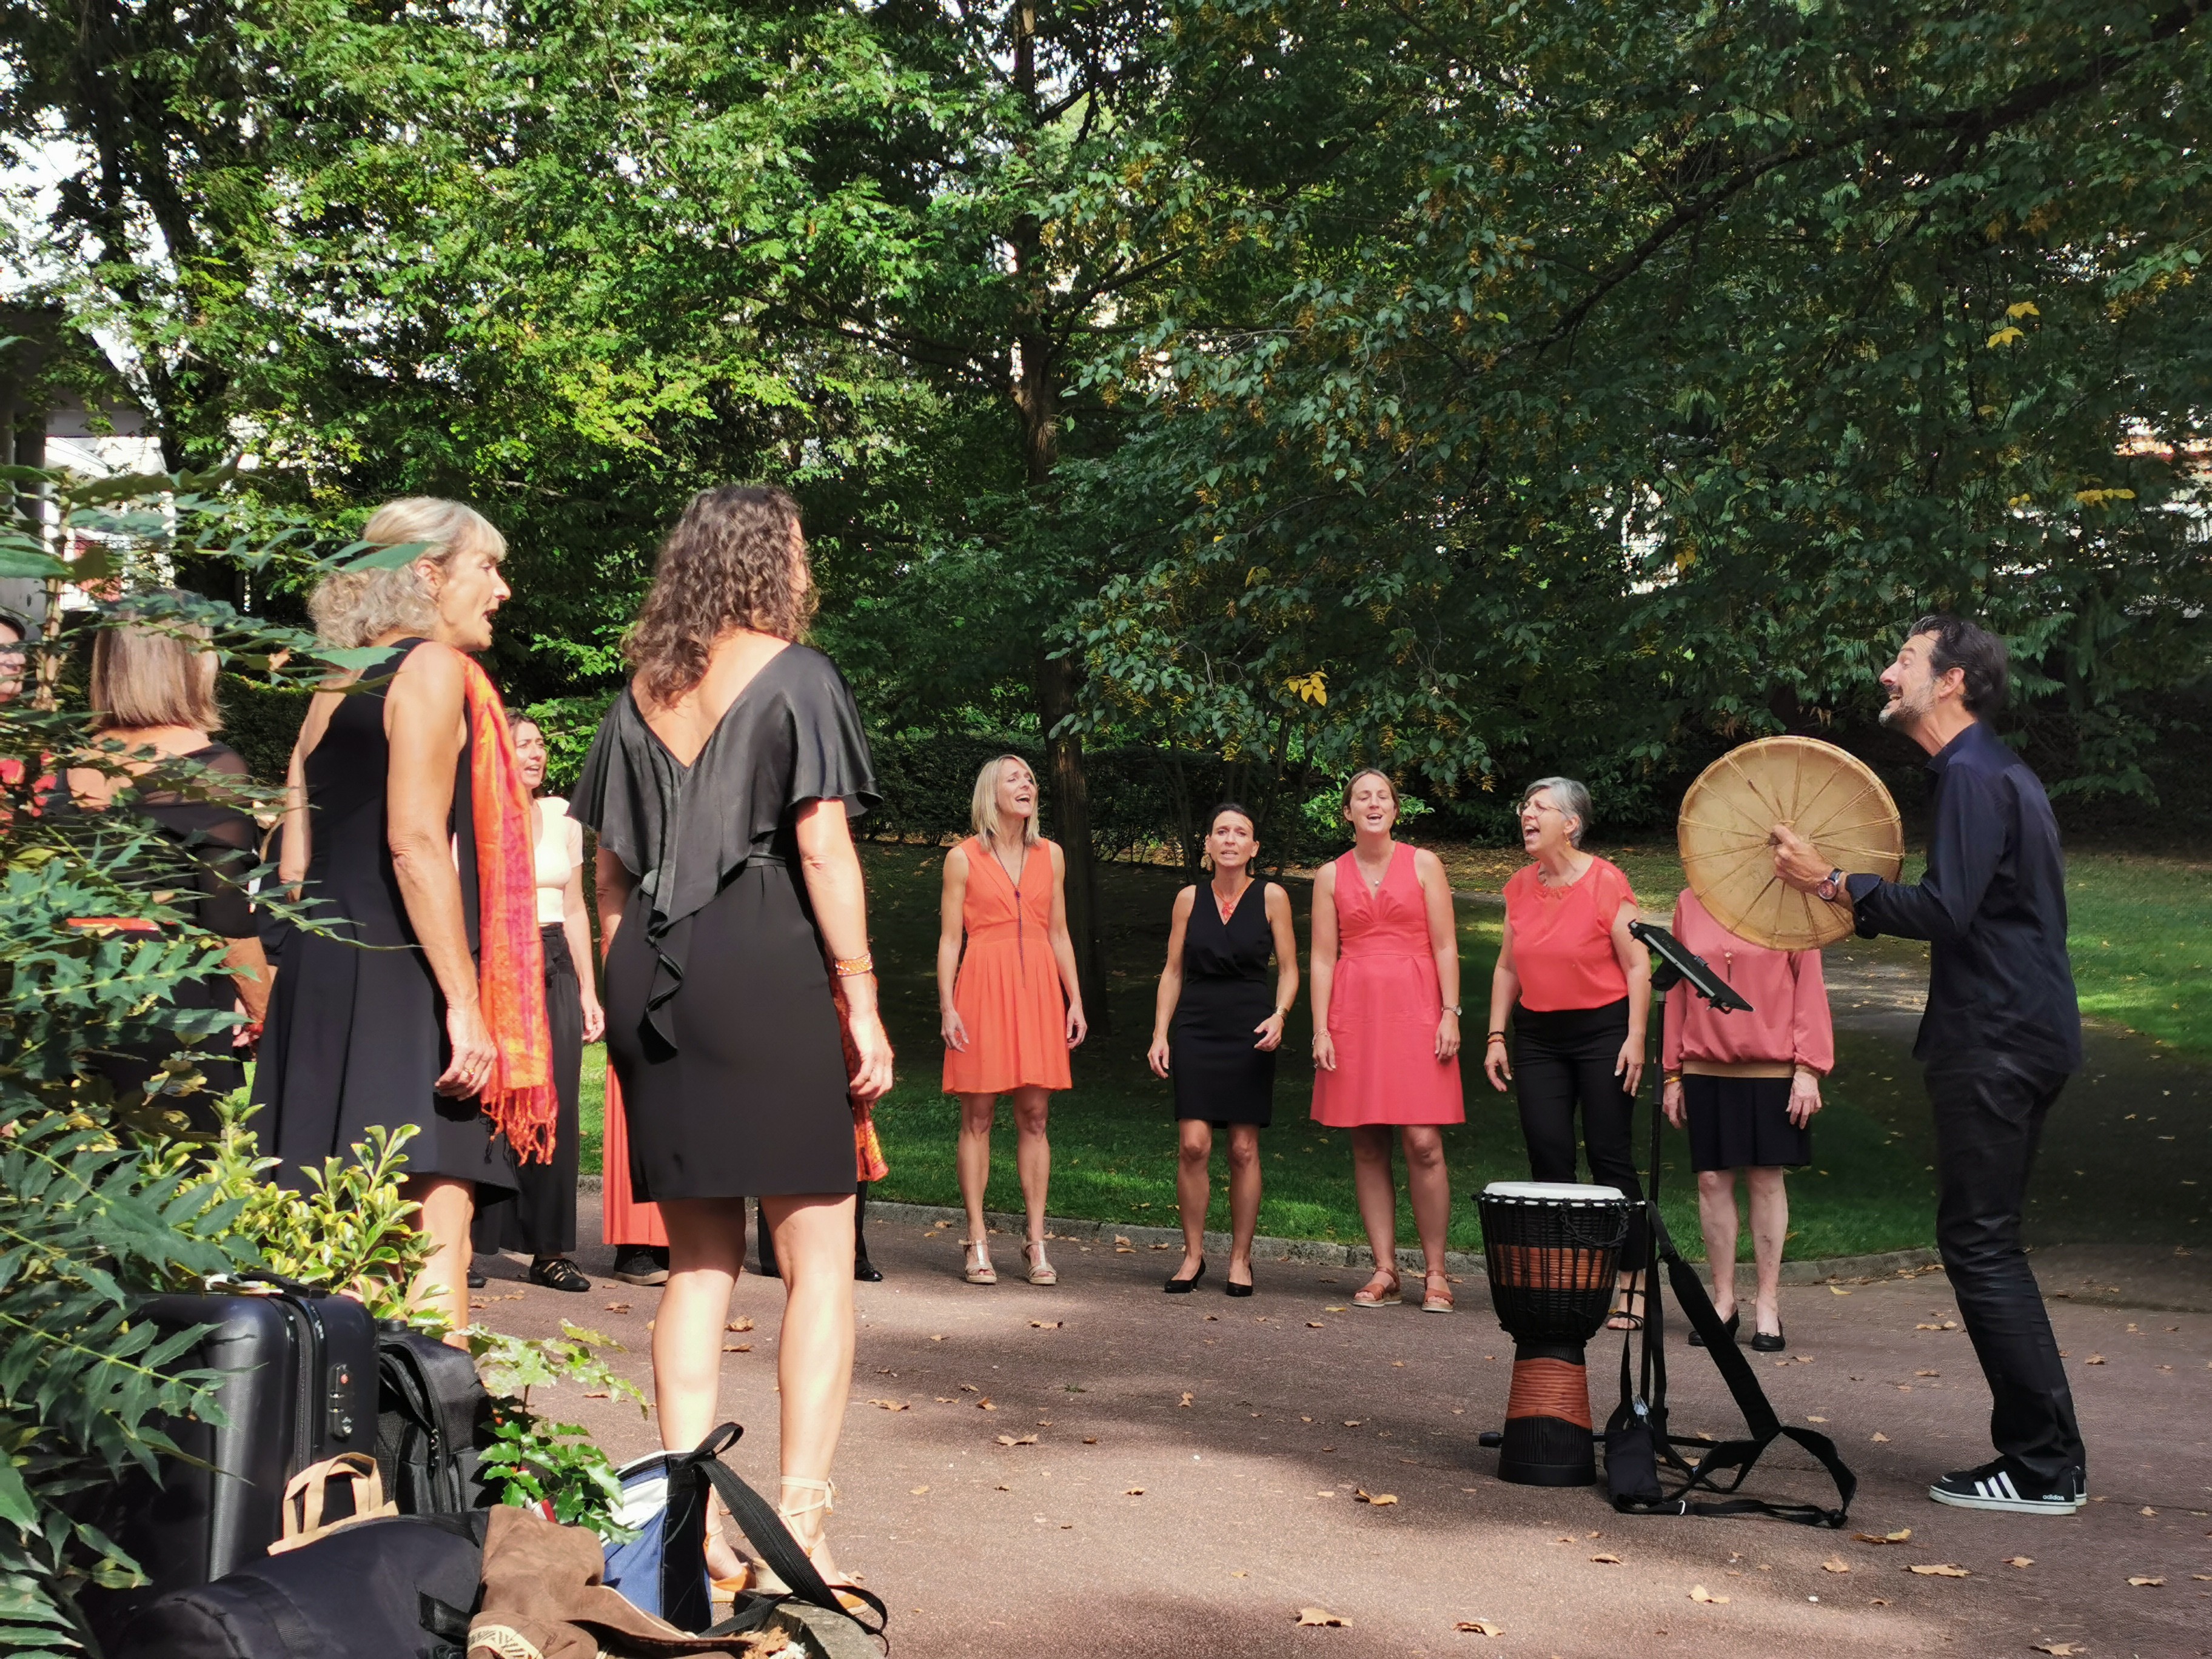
{"x":1996,"y":1485}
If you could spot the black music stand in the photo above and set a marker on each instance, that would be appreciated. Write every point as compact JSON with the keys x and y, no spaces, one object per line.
{"x":1637,"y":1443}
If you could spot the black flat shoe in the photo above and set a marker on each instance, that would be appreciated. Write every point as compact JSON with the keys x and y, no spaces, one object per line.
{"x":867,"y":1272}
{"x":1734,"y":1320}
{"x":1231,"y":1287}
{"x":476,"y":1280}
{"x":559,"y":1274}
{"x":1768,"y":1341}
{"x":1185,"y":1286}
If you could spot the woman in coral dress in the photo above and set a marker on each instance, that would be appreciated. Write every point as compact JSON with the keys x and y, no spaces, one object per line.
{"x":1386,"y":1031}
{"x":1008,"y":1003}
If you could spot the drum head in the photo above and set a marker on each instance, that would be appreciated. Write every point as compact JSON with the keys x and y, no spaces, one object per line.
{"x":1555,"y":1192}
{"x":1832,"y":798}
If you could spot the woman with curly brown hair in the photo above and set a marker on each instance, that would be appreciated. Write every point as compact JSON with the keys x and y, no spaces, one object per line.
{"x":723,"y":779}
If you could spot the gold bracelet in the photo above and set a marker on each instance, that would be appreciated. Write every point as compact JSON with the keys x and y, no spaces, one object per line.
{"x":853,"y":967}
{"x":1495,"y":1036}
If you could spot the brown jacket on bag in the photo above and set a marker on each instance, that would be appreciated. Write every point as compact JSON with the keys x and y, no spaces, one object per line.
{"x":543,"y":1599}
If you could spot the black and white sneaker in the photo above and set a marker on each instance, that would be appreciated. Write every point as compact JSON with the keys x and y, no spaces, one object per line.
{"x":1999,"y":1485}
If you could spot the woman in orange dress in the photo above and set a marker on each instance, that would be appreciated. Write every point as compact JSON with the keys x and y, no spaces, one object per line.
{"x":1009,"y":1005}
{"x":1386,"y":1031}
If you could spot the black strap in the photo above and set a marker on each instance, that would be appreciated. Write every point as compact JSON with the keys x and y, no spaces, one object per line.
{"x":765,"y":1530}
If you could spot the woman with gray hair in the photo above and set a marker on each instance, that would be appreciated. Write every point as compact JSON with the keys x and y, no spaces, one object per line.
{"x":1578,"y":990}
{"x":408,"y":827}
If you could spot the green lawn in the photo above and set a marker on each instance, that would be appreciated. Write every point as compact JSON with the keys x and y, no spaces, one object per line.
{"x":2140,"y":927}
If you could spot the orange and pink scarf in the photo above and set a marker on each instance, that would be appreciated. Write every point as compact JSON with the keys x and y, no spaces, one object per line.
{"x":521,"y":1098}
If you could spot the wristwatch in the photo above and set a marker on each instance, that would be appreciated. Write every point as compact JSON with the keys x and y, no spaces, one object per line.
{"x":1826,"y":892}
{"x":1453,"y":1009}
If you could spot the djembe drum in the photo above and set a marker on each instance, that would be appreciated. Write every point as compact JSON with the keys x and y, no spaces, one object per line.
{"x":1552,"y":1250}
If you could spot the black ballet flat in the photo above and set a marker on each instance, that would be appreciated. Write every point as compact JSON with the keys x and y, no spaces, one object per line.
{"x":1185,"y":1286}
{"x":1231,"y":1287}
{"x":1768,"y":1341}
{"x":1734,"y":1320}
{"x":559,"y":1274}
{"x":866,"y":1271}
{"x":476,"y":1280}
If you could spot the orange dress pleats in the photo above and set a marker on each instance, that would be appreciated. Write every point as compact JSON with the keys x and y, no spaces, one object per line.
{"x":623,"y":1219}
{"x":1008,"y":993}
{"x":1384,"y":1001}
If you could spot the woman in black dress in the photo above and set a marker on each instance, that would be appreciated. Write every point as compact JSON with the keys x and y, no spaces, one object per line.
{"x":1226,"y":1027}
{"x":153,"y":692}
{"x":380,"y":837}
{"x":721,"y":784}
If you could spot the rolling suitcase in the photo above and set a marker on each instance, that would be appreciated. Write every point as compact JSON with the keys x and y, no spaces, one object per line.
{"x":299,"y":1387}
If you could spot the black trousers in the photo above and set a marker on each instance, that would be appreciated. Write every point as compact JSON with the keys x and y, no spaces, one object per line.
{"x":1990,"y":1110}
{"x":540,"y":1217}
{"x":1565,"y":1059}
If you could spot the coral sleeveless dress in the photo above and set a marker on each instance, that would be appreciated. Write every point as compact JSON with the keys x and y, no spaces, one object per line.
{"x":1384,"y":1001}
{"x":1008,"y":993}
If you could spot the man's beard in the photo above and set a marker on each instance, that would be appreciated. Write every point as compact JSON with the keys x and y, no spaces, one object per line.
{"x":1904,"y":712}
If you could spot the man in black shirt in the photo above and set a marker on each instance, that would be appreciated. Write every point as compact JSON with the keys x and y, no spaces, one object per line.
{"x":2001,"y":1034}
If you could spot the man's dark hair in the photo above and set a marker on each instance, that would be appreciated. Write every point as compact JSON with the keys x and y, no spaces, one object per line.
{"x":1960,"y":644}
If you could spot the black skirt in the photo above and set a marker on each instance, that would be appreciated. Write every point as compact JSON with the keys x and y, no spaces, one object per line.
{"x":745,"y":1095}
{"x":540,"y":1217}
{"x":1743,"y":1123}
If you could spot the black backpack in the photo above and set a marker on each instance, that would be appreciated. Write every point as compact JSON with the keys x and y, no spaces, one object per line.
{"x":433,"y":1423}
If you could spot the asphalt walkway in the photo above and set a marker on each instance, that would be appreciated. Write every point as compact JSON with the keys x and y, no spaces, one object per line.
{"x":1098,"y":1469}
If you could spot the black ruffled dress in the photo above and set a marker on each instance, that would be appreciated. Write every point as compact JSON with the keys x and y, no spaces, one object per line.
{"x":720,"y":1024}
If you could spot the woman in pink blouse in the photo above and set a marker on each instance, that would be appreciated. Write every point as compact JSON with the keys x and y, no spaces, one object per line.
{"x":1747,"y":1085}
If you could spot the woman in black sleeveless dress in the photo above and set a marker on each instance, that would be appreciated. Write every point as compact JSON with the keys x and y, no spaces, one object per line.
{"x":1215,"y":1030}
{"x":392,"y":1035}
{"x":740,"y":994}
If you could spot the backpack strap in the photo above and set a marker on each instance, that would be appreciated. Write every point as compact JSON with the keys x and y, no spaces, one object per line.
{"x":765,"y":1530}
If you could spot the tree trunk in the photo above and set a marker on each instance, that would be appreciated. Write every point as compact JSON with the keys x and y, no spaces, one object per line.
{"x":1036,"y":395}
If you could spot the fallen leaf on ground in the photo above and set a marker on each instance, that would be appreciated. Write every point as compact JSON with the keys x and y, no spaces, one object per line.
{"x":597,"y":1394}
{"x":1479,"y":1628}
{"x":1699,"y":1593}
{"x":1880,"y":1438}
{"x":740,"y":1323}
{"x":916,"y":1492}
{"x":1366,"y":1497}
{"x":2143,"y":1582}
{"x":1187,"y":1398}
{"x":1337,"y":1309}
{"x":1044,"y":1324}
{"x":1002,"y":1487}
{"x":736,"y":1348}
{"x":1816,"y":1420}
{"x":617,"y":1307}
{"x":1838,"y":1290}
{"x":986,"y":1405}
{"x":1605,"y":1560}
{"x":937,"y":1338}
{"x":1942,"y":1569}
{"x":1836,"y":1563}
{"x":1319,"y":1616}
{"x":1132,"y":1491}
{"x":2059,"y":1650}
{"x":1354,"y":1422}
{"x":1026,"y":1440}
{"x":1316,"y":1325}
{"x":969,"y":1388}
{"x":1240,"y":1575}
{"x":1089,"y":1439}
{"x":2019,"y":1560}
{"x":1006,"y":1440}
{"x":891,"y":1405}
{"x":1928,"y":1373}
{"x":2094,"y":1360}
{"x":2147,"y":1509}
{"x":1903,"y":1534}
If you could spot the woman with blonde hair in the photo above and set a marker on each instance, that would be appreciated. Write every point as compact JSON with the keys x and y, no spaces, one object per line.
{"x":409,"y":828}
{"x":153,"y":693}
{"x":1009,"y":1005}
{"x":723,"y":783}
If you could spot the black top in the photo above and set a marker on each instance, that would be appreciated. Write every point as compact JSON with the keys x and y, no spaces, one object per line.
{"x":1239,"y":948}
{"x":1993,"y":904}
{"x":217,"y":838}
{"x":793,"y":735}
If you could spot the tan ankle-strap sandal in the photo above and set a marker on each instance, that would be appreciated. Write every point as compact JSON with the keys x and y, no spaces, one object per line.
{"x":980,"y":1270}
{"x":1040,"y":1270}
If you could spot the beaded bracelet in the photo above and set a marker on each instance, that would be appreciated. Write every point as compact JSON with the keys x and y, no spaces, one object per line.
{"x":853,"y":967}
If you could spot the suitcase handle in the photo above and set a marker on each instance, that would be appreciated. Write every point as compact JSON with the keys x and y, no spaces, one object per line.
{"x":249,"y":1279}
